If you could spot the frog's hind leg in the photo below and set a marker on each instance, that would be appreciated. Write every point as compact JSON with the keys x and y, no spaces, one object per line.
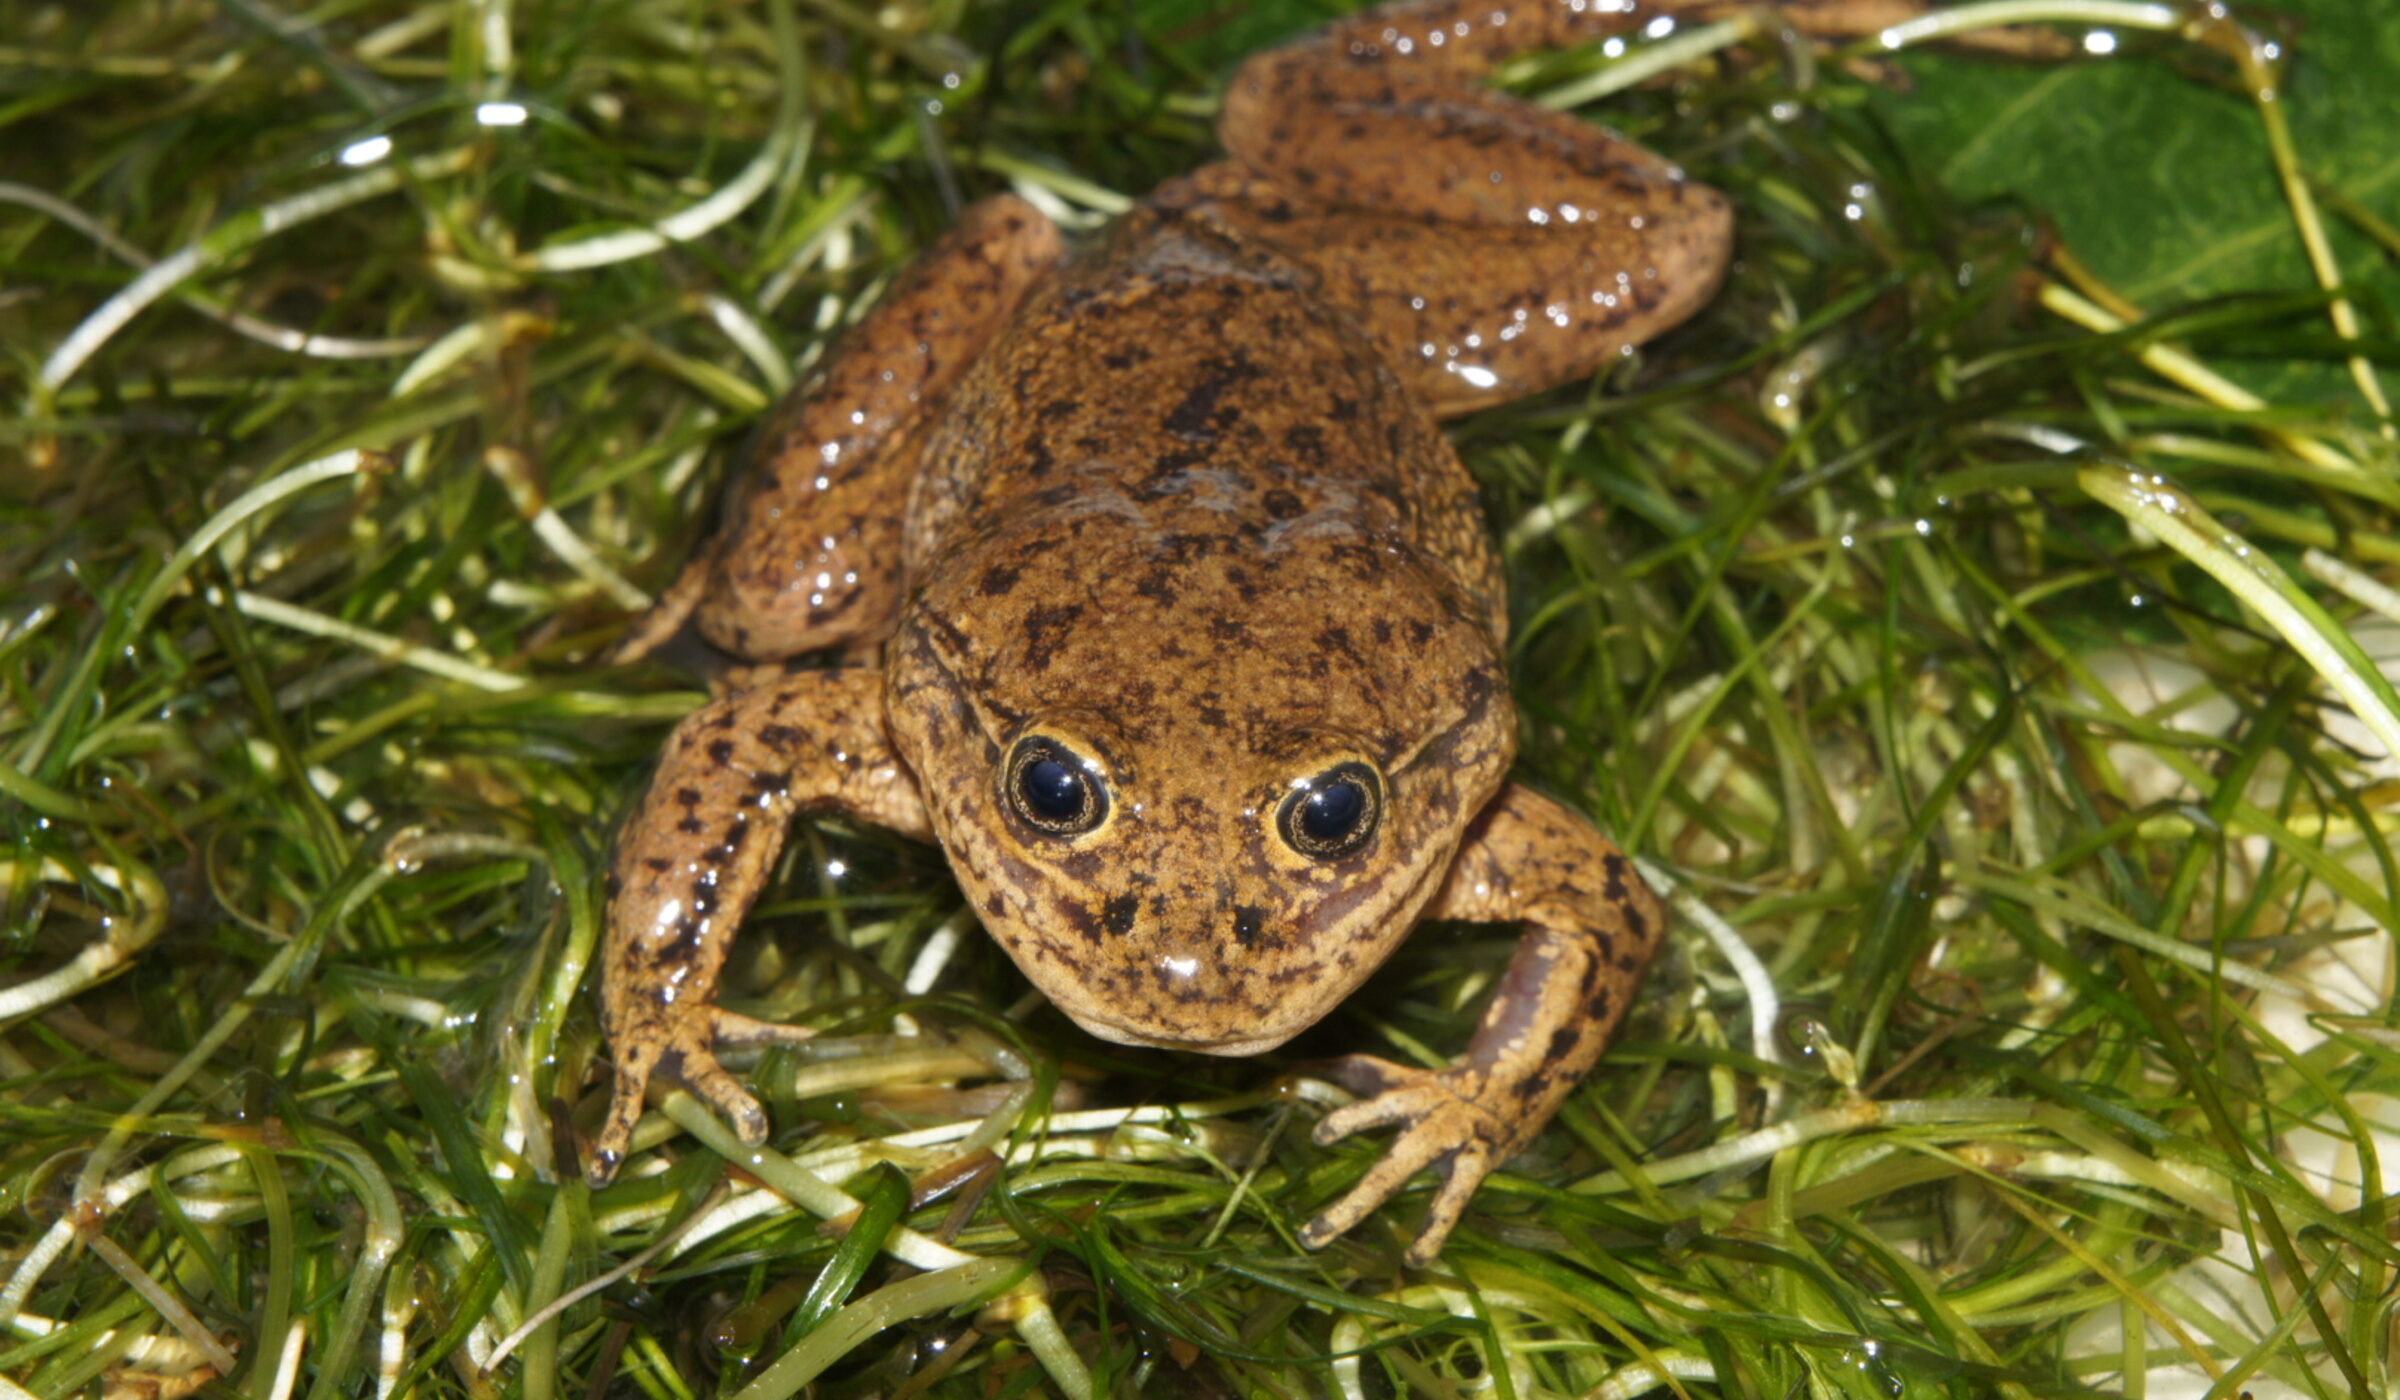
{"x":1493,"y":248}
{"x":810,"y":553}
{"x":1476,"y":315}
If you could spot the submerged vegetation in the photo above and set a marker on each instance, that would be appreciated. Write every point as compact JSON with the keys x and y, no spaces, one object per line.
{"x":1974,"y":621}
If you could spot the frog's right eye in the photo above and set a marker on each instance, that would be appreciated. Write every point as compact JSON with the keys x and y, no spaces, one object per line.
{"x":1332,"y":814}
{"x":1052,"y":789}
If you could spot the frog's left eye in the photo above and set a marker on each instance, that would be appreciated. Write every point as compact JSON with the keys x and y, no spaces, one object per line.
{"x":1053,"y":789}
{"x":1332,"y":814}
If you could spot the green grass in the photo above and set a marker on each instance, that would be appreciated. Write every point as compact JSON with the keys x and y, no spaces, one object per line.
{"x":1853,"y":607}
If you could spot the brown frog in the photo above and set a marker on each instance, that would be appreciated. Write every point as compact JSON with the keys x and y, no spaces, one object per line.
{"x":1189,"y":631}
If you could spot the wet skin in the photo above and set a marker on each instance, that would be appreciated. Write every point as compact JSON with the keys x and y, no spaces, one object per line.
{"x":1189,"y":633}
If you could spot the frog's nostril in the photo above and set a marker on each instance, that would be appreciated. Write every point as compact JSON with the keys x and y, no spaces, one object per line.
{"x":1248,"y":919}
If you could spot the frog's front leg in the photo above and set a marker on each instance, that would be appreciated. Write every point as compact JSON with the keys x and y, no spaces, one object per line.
{"x":1590,"y":928}
{"x":692,"y":859}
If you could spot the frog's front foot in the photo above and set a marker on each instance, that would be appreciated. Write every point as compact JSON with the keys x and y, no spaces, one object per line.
{"x":684,"y":1051}
{"x":1447,"y":1124}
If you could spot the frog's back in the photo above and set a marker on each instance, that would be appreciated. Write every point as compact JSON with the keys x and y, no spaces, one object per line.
{"x":1192,"y":384}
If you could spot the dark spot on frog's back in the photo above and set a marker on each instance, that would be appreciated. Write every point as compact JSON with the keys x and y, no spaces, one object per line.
{"x":1197,"y":415}
{"x":1307,"y":442}
{"x":998,"y":580}
{"x":1038,"y":458}
{"x":1281,"y":504}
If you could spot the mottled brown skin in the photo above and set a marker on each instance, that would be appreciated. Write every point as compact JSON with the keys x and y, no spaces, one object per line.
{"x":1180,"y":506}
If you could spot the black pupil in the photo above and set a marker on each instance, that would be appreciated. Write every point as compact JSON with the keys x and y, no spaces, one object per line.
{"x":1329,"y":814}
{"x":1052,"y":790}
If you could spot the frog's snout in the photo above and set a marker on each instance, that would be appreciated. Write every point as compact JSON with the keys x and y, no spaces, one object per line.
{"x":1174,"y":973}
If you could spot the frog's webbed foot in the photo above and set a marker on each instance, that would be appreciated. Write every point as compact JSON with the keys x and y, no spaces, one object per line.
{"x":685,"y":1053}
{"x":1443,"y":1126}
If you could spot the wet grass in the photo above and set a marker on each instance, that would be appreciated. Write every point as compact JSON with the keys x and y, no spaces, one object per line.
{"x":1997,"y":700}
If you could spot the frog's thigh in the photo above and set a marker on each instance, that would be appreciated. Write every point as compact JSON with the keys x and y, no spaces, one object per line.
{"x":811,"y":553}
{"x":1494,"y":248}
{"x":1475,"y":315}
{"x":694,"y":856}
{"x":1460,"y":41}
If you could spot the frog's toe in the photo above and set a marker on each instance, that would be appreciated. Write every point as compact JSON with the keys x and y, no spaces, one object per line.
{"x":615,"y":1138}
{"x":1464,"y":1172}
{"x":1442,"y":1129}
{"x":653,"y":628}
{"x":1369,"y":1075}
{"x":733,"y":1028}
{"x":709,"y":1083}
{"x":689,"y":1060}
{"x":1407,"y":1104}
{"x":1410,"y":1153}
{"x":1421,"y":1099}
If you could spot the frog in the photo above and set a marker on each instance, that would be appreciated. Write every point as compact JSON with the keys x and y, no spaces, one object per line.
{"x":1158,"y":600}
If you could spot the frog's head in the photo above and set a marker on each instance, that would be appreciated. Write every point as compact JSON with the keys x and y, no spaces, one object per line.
{"x":1198,"y":787}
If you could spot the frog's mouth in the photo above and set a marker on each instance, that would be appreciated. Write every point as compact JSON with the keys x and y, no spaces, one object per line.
{"x":1155,"y":1039}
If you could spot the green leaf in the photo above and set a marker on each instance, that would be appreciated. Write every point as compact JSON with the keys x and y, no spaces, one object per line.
{"x":2153,"y":167}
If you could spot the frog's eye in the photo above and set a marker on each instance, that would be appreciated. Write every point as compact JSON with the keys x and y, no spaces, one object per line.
{"x":1052,"y":789}
{"x":1332,"y":814}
